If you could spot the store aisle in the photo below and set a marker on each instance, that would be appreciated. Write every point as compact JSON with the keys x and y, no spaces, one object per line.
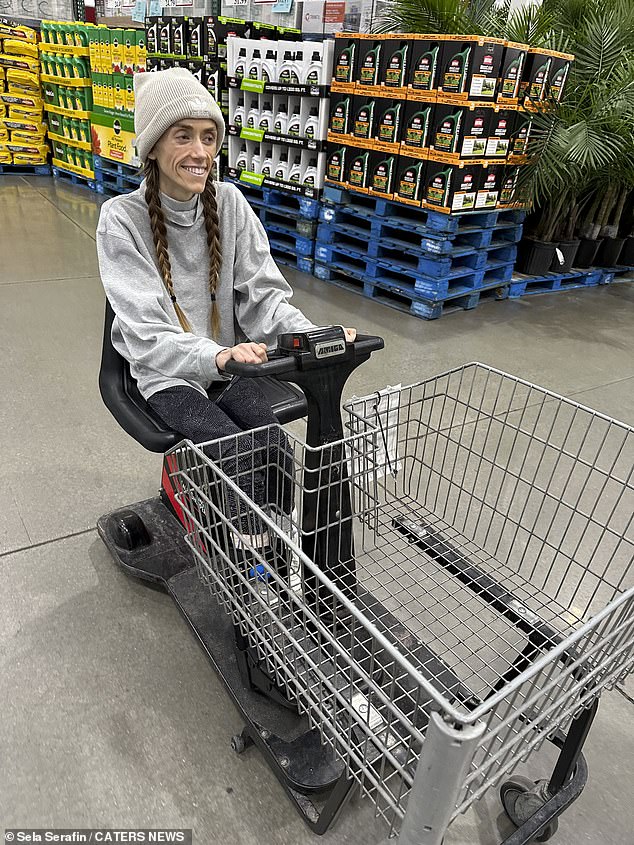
{"x":111,"y":715}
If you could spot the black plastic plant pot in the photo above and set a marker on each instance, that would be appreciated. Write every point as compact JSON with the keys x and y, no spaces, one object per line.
{"x":535,"y":257}
{"x":566,"y":250}
{"x":586,"y":253}
{"x":627,"y":254}
{"x":610,"y":252}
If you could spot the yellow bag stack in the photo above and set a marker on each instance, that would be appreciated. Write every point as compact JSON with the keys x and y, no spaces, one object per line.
{"x":22,"y":126}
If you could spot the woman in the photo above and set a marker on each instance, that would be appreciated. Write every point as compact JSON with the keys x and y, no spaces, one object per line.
{"x":186,"y":266}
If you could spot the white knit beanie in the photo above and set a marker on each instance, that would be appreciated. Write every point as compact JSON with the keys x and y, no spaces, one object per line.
{"x":163,"y":97}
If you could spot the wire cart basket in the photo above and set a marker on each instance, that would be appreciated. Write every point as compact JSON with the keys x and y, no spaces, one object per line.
{"x":442,"y":590}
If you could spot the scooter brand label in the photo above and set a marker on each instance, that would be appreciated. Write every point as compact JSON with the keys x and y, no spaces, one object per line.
{"x":329,"y":348}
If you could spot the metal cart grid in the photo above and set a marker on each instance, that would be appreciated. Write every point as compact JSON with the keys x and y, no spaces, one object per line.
{"x":485,"y":468}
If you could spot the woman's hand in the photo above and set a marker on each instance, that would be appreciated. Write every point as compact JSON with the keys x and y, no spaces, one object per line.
{"x":351,"y":335}
{"x":245,"y":353}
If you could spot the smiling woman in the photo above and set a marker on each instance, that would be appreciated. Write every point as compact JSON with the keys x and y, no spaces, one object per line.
{"x":187,"y":268}
{"x":185,"y":156}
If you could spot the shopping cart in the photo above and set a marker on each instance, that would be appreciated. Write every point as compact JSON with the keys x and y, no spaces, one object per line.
{"x":452,"y":589}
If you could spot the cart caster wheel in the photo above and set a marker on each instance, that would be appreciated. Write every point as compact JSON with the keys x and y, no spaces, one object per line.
{"x":240,"y":742}
{"x":129,"y":530}
{"x":520,"y":798}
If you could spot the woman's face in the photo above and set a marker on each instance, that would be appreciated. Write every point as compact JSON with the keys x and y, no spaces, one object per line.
{"x":184,"y":155}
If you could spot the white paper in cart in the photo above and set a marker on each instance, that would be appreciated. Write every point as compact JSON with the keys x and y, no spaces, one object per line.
{"x":382,"y":413}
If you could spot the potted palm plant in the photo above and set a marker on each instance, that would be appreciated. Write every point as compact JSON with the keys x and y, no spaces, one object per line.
{"x":574,"y":143}
{"x":603,"y":223}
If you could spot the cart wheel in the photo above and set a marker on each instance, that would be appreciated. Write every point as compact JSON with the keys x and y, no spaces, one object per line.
{"x":520,"y":798}
{"x":240,"y":742}
{"x":129,"y":530}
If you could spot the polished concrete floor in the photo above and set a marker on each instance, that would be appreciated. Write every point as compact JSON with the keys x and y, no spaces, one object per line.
{"x":110,"y":715}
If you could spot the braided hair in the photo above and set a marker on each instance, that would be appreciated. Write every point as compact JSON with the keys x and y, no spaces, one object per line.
{"x":159,"y":235}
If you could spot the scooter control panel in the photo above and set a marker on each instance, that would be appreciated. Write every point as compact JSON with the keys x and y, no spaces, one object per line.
{"x":321,"y":344}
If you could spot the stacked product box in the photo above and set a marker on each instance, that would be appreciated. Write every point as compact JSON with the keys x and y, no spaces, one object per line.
{"x":278,"y":112}
{"x":436,"y":121}
{"x":198,"y":44}
{"x":22,"y":126}
{"x":67,"y":92}
{"x":115,"y":56}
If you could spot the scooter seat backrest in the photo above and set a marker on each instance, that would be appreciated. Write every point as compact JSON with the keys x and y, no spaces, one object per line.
{"x":121,"y":396}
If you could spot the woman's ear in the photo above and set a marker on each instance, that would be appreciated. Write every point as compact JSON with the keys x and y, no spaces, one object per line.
{"x":152,"y":155}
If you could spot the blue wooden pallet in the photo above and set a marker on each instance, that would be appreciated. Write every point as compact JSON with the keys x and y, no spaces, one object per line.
{"x":74,"y":178}
{"x":117,"y":168}
{"x":433,"y":221}
{"x":469,"y":273}
{"x":274,"y":216}
{"x":617,"y":274}
{"x":113,"y":184}
{"x":285,"y":235}
{"x":284,"y":254}
{"x":413,"y":233}
{"x":389,"y":231}
{"x":270,"y":197}
{"x":442,"y":267}
{"x":368,"y":234}
{"x":404,"y":297}
{"x":553,"y":282}
{"x":25,"y":169}
{"x":279,"y":214}
{"x":364,"y":268}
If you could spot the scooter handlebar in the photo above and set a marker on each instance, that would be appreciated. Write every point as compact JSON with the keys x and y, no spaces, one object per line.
{"x":279,"y":365}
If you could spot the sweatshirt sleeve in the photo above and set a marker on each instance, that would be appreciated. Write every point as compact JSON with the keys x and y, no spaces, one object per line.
{"x":145,"y":315}
{"x":262,"y":293}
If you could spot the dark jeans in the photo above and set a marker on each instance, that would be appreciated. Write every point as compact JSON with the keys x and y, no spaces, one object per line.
{"x":260,"y":464}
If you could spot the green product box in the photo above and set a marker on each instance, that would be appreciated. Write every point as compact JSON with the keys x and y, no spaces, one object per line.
{"x":62,"y":97}
{"x":129,"y":51}
{"x":358,"y":168}
{"x":113,"y":136}
{"x":395,"y":63}
{"x":511,"y":71}
{"x":178,"y":36}
{"x":491,"y":181}
{"x":49,"y":91}
{"x":341,"y":112}
{"x":59,"y":150}
{"x":455,"y":66}
{"x":485,"y":69}
{"x":418,"y":119}
{"x":165,"y":36}
{"x":363,"y":117}
{"x":409,"y":184}
{"x":197,"y":69}
{"x":383,"y":171}
{"x":195,"y":38}
{"x":105,"y":48}
{"x":55,"y":124}
{"x":141,"y":51}
{"x":119,"y":86}
{"x":452,"y":187}
{"x":117,"y":37}
{"x":388,"y":120}
{"x":346,"y":60}
{"x":129,"y":94}
{"x":369,"y":61}
{"x":424,"y":64}
{"x":152,"y":35}
{"x":336,"y":161}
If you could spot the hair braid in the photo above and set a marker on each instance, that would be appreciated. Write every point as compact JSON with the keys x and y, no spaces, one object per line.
{"x":159,"y":234}
{"x":212,"y":224}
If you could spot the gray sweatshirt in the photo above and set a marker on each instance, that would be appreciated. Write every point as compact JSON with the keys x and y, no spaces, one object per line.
{"x":252,"y":295}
